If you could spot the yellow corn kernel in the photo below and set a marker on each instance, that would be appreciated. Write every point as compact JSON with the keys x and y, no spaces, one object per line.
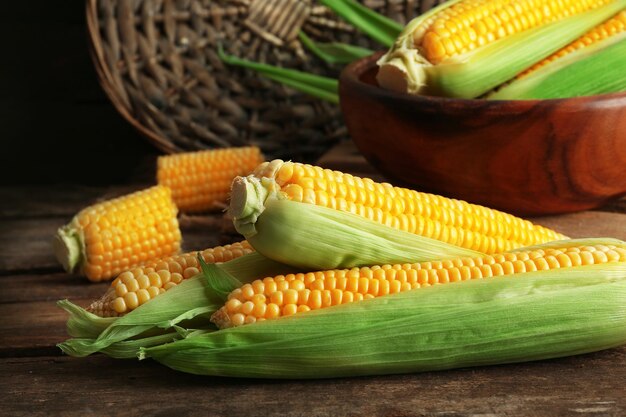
{"x":361,"y":284}
{"x":108,"y":238}
{"x":156,"y":277}
{"x":200,"y":181}
{"x":452,"y":221}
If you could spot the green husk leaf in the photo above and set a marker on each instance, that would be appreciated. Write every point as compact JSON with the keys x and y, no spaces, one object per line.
{"x":324,"y":88}
{"x":373,"y":24}
{"x":475,"y":73}
{"x":189,"y":301}
{"x":69,"y":247}
{"x":128,"y":349}
{"x":531,"y":316}
{"x":221,"y":286}
{"x":254,"y":265}
{"x":316,"y":238}
{"x":334,"y":52}
{"x":596,"y":69}
{"x":83,"y":324}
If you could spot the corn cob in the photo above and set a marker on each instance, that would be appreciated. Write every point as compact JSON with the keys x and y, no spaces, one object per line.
{"x":538,"y":315}
{"x":597,"y":58}
{"x":180,"y":305}
{"x":448,"y":220}
{"x":137,"y":286}
{"x":200,"y":181}
{"x":285,"y":295}
{"x":465,"y":48}
{"x":107,"y":238}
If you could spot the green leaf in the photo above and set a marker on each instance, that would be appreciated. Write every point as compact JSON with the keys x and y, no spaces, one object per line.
{"x":219,"y":282}
{"x":373,"y":24}
{"x":324,"y":88}
{"x":334,"y":52}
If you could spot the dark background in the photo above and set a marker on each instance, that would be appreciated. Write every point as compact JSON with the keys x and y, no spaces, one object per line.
{"x":56,"y":124}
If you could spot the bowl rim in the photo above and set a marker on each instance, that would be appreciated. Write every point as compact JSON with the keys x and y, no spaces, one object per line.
{"x":350,"y":77}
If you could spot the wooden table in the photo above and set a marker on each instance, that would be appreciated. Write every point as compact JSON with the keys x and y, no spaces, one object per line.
{"x":37,"y":380}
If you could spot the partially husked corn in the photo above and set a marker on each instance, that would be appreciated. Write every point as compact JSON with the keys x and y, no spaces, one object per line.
{"x":109,"y":237}
{"x":139,"y":285}
{"x":468,"y":25}
{"x":452,"y":221}
{"x":285,"y":295}
{"x":611,"y":27}
{"x":200,"y":181}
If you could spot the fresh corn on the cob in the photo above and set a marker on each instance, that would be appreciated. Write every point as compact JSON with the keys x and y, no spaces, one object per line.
{"x":537,"y":315}
{"x":598,"y":57}
{"x":108,"y":238}
{"x":200,"y":181}
{"x":285,"y":295}
{"x":448,"y":220}
{"x":465,"y":48}
{"x":139,"y":285}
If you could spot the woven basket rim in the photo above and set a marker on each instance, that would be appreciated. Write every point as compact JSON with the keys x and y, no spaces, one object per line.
{"x":105,"y":79}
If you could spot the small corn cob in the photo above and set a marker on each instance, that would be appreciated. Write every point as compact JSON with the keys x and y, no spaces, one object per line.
{"x":107,"y":238}
{"x":597,"y":57}
{"x":448,"y":220}
{"x":465,"y":48}
{"x":200,"y":181}
{"x":285,"y":295}
{"x":137,"y":286}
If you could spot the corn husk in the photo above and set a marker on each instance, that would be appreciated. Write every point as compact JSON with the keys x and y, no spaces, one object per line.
{"x":475,"y":73}
{"x":312,"y":238}
{"x":596,"y":69}
{"x":187,"y":304}
{"x":530,"y":316}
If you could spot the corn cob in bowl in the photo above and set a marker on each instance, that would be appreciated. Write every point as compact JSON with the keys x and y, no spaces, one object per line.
{"x":464,"y":48}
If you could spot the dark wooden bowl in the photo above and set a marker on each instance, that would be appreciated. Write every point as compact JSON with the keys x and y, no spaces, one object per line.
{"x":524,"y":157}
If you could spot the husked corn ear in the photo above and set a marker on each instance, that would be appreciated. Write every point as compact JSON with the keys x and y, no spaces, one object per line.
{"x":592,"y":64}
{"x":465,"y":48}
{"x":452,"y":221}
{"x":200,"y":181}
{"x":285,"y":295}
{"x":107,"y":238}
{"x":139,"y":285}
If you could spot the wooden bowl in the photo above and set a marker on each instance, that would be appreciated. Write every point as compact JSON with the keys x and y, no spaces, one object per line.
{"x":525,"y":157}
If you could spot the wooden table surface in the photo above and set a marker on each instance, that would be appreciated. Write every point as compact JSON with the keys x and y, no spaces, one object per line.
{"x":36,"y":379}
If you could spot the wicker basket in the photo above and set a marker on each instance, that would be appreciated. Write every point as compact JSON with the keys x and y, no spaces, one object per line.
{"x":157,"y":62}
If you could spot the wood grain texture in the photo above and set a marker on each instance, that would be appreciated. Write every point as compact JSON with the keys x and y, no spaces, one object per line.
{"x":101,"y":386}
{"x":523,"y":157}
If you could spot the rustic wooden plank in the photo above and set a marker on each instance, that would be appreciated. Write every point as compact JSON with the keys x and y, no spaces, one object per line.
{"x":55,"y":200}
{"x":590,"y":385}
{"x":33,"y":328}
{"x":26,"y":244}
{"x":48,"y":287}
